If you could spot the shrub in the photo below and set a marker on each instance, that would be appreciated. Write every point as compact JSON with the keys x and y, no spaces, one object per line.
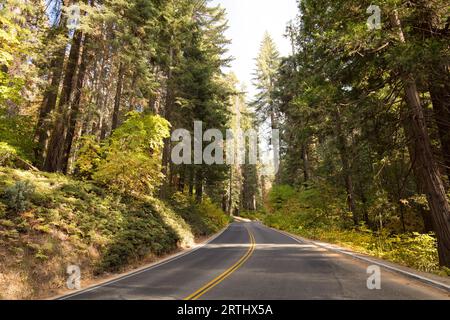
{"x":88,"y":158}
{"x":18,"y":195}
{"x":18,"y":132}
{"x":279,"y":195}
{"x":204,"y":218}
{"x":3,"y":208}
{"x":143,"y":233}
{"x":7,"y":154}
{"x":132,"y":163}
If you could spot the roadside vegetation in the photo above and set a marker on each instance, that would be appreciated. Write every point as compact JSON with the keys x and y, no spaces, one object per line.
{"x":49,"y":221}
{"x":319,"y":212}
{"x":89,"y":101}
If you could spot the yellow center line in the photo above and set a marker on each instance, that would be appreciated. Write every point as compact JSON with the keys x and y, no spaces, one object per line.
{"x":197,"y":294}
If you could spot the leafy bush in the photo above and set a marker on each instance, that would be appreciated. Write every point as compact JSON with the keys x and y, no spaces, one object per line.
{"x":132,"y":162}
{"x":88,"y":158}
{"x":143,"y":233}
{"x":18,"y":195}
{"x":18,"y":132}
{"x":7,"y":154}
{"x":205,"y":218}
{"x":279,"y":195}
{"x":130,"y":173}
{"x":416,"y":250}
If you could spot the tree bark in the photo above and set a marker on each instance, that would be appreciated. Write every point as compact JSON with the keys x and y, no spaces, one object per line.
{"x":305,"y":158}
{"x":429,"y":170}
{"x":50,"y":96}
{"x":53,"y":160}
{"x":420,"y":184}
{"x":48,"y":105}
{"x":346,"y":168}
{"x":75,"y":109}
{"x":169,"y":100}
{"x":115,"y":116}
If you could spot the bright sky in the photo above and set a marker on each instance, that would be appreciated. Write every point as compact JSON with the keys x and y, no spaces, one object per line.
{"x":248,"y":20}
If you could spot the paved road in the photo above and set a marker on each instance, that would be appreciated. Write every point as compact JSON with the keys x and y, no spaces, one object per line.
{"x":250,"y":261}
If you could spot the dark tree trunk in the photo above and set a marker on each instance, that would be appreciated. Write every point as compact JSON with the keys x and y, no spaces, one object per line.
{"x":199,"y":187}
{"x":75,"y":109}
{"x":115,"y":116}
{"x":53,"y":160}
{"x":305,"y":158}
{"x":362,"y":196}
{"x":346,"y":167}
{"x":429,"y":170}
{"x":169,"y":101}
{"x":425,"y":214}
{"x":182,"y":179}
{"x":50,"y":96}
{"x":48,"y":105}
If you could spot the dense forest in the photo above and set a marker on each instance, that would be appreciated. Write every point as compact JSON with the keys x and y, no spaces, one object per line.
{"x":364,"y":109}
{"x":91,"y":92}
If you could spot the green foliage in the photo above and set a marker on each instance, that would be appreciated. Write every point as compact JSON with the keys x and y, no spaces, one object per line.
{"x":318,"y":213}
{"x":142,"y":233}
{"x":18,"y":195}
{"x":68,"y":220}
{"x":7,"y":154}
{"x":205,"y":218}
{"x":132,"y":162}
{"x":416,"y":250}
{"x":280,"y":194}
{"x":17,"y":131}
{"x":88,"y":158}
{"x":267,"y":64}
{"x":19,"y":35}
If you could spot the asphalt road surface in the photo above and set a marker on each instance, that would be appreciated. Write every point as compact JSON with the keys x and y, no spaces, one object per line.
{"x":249,"y":261}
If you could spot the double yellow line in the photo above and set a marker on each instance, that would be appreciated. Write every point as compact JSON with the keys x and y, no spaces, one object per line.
{"x":197,"y":294}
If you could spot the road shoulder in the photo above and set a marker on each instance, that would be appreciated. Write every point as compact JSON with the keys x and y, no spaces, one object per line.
{"x":109,"y":279}
{"x":442,"y":283}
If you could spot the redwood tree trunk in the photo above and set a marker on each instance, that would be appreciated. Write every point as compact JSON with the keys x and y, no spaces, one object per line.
{"x":75,"y":109}
{"x":426,"y":215}
{"x":115,"y":117}
{"x":53,"y":160}
{"x":48,"y":105}
{"x":169,"y":101}
{"x":346,"y":168}
{"x":433,"y":185}
{"x":50,"y":95}
{"x":305,"y":158}
{"x":429,"y":170}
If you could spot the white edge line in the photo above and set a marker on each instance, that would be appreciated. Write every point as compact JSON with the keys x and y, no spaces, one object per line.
{"x":146,"y":268}
{"x":432,"y":282}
